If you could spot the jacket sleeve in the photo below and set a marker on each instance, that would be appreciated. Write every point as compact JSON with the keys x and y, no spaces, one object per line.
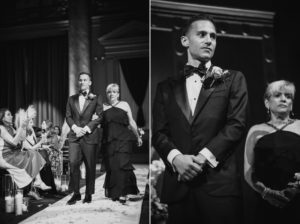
{"x":99,"y":111}
{"x":160,"y":139}
{"x":69,"y":117}
{"x":234,"y":129}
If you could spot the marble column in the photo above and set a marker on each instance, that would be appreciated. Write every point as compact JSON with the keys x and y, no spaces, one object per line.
{"x":79,"y":41}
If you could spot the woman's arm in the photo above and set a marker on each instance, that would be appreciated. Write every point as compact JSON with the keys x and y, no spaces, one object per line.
{"x":26,"y":145}
{"x":253,"y":135}
{"x":249,"y":159}
{"x":18,"y":138}
{"x":38,"y":145}
{"x":132,"y":124}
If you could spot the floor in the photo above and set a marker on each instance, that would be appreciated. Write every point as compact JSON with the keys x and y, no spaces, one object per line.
{"x":101,"y":210}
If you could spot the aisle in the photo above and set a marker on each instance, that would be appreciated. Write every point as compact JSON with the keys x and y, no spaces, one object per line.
{"x":101,"y":210}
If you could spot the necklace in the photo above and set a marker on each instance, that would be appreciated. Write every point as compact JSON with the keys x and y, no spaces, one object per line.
{"x":281,"y":125}
{"x":114,"y":103}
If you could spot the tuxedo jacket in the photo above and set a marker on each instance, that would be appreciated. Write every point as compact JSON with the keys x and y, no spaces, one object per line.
{"x":84,"y":118}
{"x":218,"y":124}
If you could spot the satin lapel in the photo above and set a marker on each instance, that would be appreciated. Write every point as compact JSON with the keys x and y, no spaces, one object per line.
{"x":76,"y":102}
{"x":181,"y":99}
{"x":86,"y":103}
{"x":202,"y":99}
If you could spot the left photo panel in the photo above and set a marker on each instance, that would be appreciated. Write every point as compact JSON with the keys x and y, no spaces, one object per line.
{"x":74,"y":111}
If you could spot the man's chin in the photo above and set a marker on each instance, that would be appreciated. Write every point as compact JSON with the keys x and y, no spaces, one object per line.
{"x":205,"y":57}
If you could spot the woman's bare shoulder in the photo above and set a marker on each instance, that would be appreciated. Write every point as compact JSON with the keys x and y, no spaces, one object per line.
{"x":123,"y":105}
{"x":259,"y":127}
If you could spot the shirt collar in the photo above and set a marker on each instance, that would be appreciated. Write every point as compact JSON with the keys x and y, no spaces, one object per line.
{"x":207,"y":64}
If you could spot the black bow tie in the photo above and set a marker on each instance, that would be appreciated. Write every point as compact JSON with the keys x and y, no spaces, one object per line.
{"x":84,"y":93}
{"x":189,"y":70}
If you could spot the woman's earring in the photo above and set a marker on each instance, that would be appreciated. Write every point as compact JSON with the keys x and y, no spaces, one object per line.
{"x":292,"y":114}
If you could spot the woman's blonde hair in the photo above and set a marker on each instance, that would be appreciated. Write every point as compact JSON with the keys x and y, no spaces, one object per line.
{"x":279,"y":85}
{"x":111,"y":86}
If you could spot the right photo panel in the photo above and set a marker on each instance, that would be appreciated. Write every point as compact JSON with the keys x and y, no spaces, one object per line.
{"x":224,"y":126}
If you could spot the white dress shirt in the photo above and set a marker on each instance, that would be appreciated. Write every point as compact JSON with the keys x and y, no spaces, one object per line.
{"x":82,"y":100}
{"x":193,"y":86}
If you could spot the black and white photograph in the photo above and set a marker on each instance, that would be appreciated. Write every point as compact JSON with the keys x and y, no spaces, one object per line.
{"x":149,"y":112}
{"x":74,"y":111}
{"x":225,"y":130}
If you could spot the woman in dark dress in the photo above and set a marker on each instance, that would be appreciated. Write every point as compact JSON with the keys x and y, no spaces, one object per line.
{"x":119,"y":135}
{"x":272,"y":158}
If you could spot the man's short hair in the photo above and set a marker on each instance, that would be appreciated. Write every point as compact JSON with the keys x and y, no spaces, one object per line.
{"x":198,"y":17}
{"x":84,"y":73}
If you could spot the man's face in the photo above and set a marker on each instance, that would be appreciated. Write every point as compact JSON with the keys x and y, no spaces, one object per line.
{"x":200,"y":40}
{"x":84,"y":82}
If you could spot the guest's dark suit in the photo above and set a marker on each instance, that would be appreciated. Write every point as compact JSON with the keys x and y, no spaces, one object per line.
{"x":218,"y":124}
{"x":83,"y":148}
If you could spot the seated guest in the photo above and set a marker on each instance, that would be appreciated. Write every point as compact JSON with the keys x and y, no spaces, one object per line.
{"x":31,"y":143}
{"x":57,"y":131}
{"x":23,"y":165}
{"x":52,"y":145}
{"x":272,"y":157}
{"x":56,"y":154}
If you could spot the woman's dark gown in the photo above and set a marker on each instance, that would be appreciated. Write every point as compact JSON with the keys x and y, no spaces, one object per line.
{"x":277,"y":159}
{"x":117,"y":142}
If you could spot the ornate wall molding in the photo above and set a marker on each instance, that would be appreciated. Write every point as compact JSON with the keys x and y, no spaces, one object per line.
{"x":232,"y":22}
{"x":130,"y":40}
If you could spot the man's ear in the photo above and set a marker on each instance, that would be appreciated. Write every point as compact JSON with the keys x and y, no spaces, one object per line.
{"x":185,"y":41}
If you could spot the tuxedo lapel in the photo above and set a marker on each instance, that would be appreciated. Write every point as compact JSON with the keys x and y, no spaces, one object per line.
{"x":86,"y":103}
{"x":181,"y":99}
{"x":76,"y":102}
{"x":202,"y":99}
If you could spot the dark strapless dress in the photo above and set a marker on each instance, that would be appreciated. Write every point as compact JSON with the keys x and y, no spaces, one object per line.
{"x":277,"y":159}
{"x":117,"y":142}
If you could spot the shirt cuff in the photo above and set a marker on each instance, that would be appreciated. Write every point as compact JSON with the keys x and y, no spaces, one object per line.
{"x":172,"y":154}
{"x":87,"y":129}
{"x":211,"y":159}
{"x":73,"y":126}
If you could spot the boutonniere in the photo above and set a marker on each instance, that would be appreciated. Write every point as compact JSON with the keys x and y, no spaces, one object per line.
{"x":215,"y":75}
{"x":91,"y":96}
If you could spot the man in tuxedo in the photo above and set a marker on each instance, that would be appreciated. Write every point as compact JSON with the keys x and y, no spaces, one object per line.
{"x":83,"y":136}
{"x":199,"y":121}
